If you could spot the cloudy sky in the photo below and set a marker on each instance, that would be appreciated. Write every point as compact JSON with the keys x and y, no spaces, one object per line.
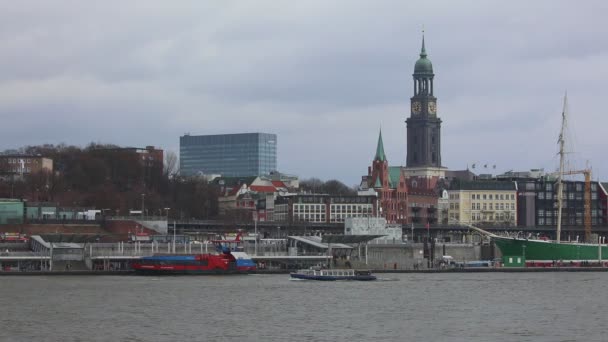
{"x":323,"y":75}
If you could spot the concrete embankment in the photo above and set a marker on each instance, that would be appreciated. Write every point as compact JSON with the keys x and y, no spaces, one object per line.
{"x":499,"y":270}
{"x":380,"y":271}
{"x":66,"y":273}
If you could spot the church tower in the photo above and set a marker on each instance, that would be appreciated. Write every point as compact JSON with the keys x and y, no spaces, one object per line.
{"x":423,"y":125}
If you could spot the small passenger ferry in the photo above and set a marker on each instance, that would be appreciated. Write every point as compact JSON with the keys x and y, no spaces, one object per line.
{"x":333,"y":274}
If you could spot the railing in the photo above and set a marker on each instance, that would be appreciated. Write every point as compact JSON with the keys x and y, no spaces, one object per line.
{"x":24,"y":254}
{"x":145,"y":249}
{"x":137,"y":218}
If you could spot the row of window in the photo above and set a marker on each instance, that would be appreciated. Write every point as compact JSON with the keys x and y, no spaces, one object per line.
{"x":320,"y":218}
{"x":334,"y":208}
{"x":480,"y":217}
{"x":496,"y":197}
{"x":578,"y":186}
{"x":571,"y":196}
{"x":18,"y":161}
{"x":337,"y":200}
{"x":490,"y":206}
{"x":551,"y":213}
{"x":570,"y":221}
{"x":498,"y":217}
{"x":25,"y":169}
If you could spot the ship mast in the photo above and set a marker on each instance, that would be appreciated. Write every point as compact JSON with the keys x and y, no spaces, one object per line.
{"x":561,"y":171}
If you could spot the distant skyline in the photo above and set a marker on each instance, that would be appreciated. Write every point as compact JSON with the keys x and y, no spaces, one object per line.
{"x":322,"y":75}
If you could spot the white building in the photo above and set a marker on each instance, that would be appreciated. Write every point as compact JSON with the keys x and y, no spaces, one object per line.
{"x":373,"y":226}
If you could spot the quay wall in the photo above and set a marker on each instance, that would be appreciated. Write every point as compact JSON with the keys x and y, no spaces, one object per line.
{"x":52,"y":228}
{"x":410,"y":256}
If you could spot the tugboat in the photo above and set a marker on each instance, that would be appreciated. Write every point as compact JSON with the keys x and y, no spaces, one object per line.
{"x":333,"y":274}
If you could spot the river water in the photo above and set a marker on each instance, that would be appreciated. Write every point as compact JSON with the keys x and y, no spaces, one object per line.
{"x":557,"y":306}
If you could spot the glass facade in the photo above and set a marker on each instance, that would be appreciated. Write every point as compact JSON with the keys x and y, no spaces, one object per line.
{"x":231,"y":155}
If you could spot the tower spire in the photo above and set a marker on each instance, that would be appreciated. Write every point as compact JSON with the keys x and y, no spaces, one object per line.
{"x":423,"y":50}
{"x":380,"y":149}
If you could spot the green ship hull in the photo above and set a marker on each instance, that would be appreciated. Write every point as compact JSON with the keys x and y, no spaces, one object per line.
{"x":539,"y":250}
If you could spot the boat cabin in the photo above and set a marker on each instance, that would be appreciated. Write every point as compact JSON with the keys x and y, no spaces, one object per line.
{"x":333,"y":272}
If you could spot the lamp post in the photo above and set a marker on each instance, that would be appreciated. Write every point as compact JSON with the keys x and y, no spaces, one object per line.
{"x":143,"y":196}
{"x":167,"y":218}
{"x":103,"y":213}
{"x":255,"y":229}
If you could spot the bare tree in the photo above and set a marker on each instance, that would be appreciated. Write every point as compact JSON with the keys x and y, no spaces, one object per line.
{"x":171,"y":164}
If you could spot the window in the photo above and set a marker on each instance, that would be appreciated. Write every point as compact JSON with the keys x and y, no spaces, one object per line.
{"x":541,"y":195}
{"x":484,"y":196}
{"x":490,"y":196}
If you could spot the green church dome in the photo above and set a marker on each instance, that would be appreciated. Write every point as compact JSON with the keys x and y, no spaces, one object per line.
{"x":423,"y":64}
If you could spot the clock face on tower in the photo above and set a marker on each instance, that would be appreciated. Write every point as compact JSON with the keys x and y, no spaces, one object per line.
{"x":432,"y":108}
{"x":416,"y":107}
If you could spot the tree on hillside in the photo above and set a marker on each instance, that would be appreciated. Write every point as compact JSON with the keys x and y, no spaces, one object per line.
{"x":331,"y":187}
{"x":312,"y":185}
{"x":171,"y":166}
{"x":107,"y":176}
{"x":335,"y":187}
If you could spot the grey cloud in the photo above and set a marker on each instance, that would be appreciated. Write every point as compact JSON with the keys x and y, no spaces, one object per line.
{"x":322,"y":75}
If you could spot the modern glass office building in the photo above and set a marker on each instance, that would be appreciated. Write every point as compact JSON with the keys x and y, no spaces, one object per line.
{"x":230,"y":155}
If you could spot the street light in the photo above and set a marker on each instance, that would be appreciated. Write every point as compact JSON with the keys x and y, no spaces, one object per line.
{"x":255,"y":230}
{"x":143,"y":196}
{"x":167,"y":217}
{"x":103,"y":213}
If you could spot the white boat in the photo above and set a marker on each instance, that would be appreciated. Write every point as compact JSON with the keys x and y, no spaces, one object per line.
{"x":333,"y":274}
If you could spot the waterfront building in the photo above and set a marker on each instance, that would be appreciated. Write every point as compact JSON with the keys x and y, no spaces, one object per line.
{"x":231,"y":155}
{"x":388,"y":184}
{"x":483,"y":202}
{"x":11,"y":211}
{"x":253,"y":198}
{"x":324,"y":208}
{"x":443,"y":207}
{"x":537,"y":206}
{"x":20,"y":164}
{"x":374,"y":226}
{"x":537,"y":202}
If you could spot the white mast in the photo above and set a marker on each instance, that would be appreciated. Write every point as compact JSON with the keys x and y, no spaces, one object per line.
{"x":561,"y":170}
